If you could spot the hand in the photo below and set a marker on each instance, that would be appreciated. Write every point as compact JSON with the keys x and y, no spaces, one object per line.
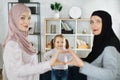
{"x":54,"y":61}
{"x":76,"y":61}
{"x":61,"y":50}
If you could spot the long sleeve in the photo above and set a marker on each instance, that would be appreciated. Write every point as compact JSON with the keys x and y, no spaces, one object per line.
{"x":49,"y":54}
{"x":104,"y":67}
{"x":16,"y":68}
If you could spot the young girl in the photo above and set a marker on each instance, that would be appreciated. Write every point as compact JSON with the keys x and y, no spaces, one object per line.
{"x":58,"y":44}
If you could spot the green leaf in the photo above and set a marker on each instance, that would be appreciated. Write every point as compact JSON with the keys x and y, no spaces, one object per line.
{"x":52,"y":6}
{"x":56,"y":6}
{"x":60,"y":8}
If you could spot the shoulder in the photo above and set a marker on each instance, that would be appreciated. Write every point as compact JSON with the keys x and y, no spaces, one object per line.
{"x":12,"y":51}
{"x":110,"y":49}
{"x":12,"y":43}
{"x":12,"y":46}
{"x":52,"y":50}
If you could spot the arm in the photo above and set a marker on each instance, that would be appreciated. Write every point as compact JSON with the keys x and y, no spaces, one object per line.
{"x":14,"y":64}
{"x":108,"y":70}
{"x":49,"y":54}
{"x":69,"y":56}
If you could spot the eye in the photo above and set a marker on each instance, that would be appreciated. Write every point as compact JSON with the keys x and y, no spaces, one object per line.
{"x":29,"y":18}
{"x":91,"y":22}
{"x":23,"y":18}
{"x":62,"y":42}
{"x":57,"y":41}
{"x":98,"y":21}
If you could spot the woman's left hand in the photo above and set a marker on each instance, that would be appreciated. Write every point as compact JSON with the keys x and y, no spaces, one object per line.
{"x":76,"y":61}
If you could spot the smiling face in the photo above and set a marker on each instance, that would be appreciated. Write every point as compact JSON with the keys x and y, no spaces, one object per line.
{"x":24,"y":21}
{"x":96,"y":25}
{"x":59,"y":42}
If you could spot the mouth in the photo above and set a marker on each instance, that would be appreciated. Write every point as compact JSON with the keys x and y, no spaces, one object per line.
{"x":60,"y":47}
{"x":95,"y":30}
{"x":26,"y":26}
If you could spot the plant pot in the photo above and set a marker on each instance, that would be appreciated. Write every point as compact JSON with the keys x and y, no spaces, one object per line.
{"x":56,"y":15}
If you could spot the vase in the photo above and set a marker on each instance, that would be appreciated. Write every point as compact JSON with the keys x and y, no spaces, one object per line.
{"x":57,"y":15}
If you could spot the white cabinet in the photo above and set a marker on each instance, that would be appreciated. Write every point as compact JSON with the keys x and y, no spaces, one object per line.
{"x":77,"y":31}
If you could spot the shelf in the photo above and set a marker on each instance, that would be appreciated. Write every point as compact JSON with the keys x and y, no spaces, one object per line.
{"x":80,"y":40}
{"x":82,"y":19}
{"x":35,"y":34}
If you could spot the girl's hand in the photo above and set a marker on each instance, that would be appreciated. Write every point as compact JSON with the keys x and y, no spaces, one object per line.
{"x":61,"y":50}
{"x":54,"y":61}
{"x":76,"y":61}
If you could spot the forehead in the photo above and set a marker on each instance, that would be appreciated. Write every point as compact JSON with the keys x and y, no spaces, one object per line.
{"x":59,"y":38}
{"x":27,"y":13}
{"x":95,"y":17}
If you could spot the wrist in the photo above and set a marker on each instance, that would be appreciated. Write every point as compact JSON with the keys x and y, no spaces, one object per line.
{"x":82,"y":64}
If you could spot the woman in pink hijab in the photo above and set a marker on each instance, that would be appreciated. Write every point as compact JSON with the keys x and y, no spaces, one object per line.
{"x":19,"y":56}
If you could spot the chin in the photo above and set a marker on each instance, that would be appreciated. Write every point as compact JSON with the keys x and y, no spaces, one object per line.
{"x":96,"y":33}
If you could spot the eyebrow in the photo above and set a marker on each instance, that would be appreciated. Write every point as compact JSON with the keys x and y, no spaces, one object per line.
{"x":23,"y":15}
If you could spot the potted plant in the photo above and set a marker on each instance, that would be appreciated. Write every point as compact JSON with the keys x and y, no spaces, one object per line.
{"x":56,"y":7}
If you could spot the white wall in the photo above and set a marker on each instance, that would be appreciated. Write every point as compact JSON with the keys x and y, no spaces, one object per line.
{"x":112,"y":6}
{"x":3,"y":19}
{"x":87,"y":6}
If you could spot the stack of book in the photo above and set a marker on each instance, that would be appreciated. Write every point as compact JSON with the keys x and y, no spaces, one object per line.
{"x":82,"y":44}
{"x":66,"y":29}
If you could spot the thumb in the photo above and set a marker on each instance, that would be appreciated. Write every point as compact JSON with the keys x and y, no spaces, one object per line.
{"x":70,"y":62}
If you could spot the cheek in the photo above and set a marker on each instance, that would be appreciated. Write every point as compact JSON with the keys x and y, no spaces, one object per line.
{"x":29,"y":22}
{"x":64,"y":44}
{"x":91,"y":27}
{"x":100,"y":28}
{"x":55,"y":44}
{"x":20,"y":24}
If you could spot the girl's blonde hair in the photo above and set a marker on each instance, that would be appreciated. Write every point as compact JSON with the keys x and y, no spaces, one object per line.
{"x":61,"y":36}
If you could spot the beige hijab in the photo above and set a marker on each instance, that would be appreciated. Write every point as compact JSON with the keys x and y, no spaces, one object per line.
{"x":14,"y":33}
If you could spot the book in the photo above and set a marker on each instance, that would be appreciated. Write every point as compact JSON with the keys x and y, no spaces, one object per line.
{"x":65,"y":26}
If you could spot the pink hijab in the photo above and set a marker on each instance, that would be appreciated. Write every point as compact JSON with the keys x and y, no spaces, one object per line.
{"x":14,"y":33}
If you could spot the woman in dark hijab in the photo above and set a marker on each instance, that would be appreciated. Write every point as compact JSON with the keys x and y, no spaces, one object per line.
{"x":101,"y":63}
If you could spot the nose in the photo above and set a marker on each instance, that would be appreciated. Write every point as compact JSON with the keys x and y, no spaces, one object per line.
{"x":27,"y":21}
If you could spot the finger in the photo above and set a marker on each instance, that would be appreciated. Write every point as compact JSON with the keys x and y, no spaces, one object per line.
{"x":58,"y":63}
{"x":71,"y":62}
